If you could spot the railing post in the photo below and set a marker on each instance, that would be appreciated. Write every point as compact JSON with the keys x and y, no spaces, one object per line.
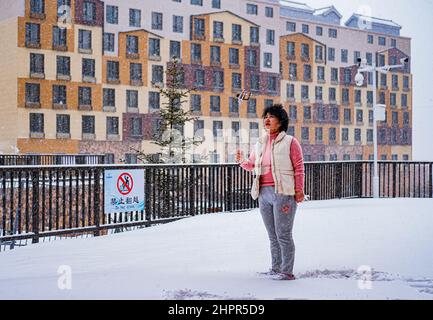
{"x":431,"y":181}
{"x":359,"y":179}
{"x":339,"y":182}
{"x":394,"y":179}
{"x":229,"y":186}
{"x":97,"y":202}
{"x":35,"y":205}
{"x":191,"y":190}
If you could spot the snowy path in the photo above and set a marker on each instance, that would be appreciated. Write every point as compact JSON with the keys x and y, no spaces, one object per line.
{"x":217,"y":256}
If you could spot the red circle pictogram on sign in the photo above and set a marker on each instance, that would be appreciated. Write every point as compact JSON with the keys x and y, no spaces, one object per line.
{"x":125,"y":183}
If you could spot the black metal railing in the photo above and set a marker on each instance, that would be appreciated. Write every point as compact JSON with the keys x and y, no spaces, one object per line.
{"x":50,"y":159}
{"x":45,"y":201}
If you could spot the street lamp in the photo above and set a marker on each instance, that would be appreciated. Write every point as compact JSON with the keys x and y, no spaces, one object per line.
{"x":378,"y":109}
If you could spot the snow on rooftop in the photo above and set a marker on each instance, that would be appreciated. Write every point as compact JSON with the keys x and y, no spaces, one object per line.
{"x":296,"y":5}
{"x":217,"y":256}
{"x":377,"y":20}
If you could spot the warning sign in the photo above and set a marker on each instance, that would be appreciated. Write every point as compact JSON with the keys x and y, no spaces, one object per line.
{"x":124,"y":191}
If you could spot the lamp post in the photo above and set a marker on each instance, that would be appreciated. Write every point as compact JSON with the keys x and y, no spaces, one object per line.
{"x":378,"y":109}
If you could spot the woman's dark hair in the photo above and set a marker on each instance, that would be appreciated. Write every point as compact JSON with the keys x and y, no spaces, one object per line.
{"x":277,"y":110}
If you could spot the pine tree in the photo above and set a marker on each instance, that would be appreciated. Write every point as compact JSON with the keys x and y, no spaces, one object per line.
{"x":174,"y":146}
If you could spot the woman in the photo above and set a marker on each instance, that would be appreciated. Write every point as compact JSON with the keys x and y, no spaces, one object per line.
{"x":278,"y":166}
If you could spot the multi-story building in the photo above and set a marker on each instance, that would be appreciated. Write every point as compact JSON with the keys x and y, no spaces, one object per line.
{"x":82,"y":76}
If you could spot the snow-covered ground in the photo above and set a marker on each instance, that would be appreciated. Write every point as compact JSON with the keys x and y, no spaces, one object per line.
{"x":217,"y":256}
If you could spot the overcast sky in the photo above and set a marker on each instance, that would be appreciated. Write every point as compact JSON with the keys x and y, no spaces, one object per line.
{"x":416,"y":18}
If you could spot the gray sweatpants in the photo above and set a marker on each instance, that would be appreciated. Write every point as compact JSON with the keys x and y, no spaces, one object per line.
{"x":278,"y":213}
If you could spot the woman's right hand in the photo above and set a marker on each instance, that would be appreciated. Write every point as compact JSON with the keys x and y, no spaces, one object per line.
{"x":239,"y":156}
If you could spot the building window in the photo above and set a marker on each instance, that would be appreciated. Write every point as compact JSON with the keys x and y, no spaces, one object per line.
{"x":305,"y":92}
{"x":199,"y":78}
{"x":136,"y":126}
{"x":347,"y":115}
{"x":89,"y":68}
{"x":112,"y":16}
{"x":305,"y":51}
{"x":85,"y":39}
{"x":197,"y":2}
{"x":135,"y":18}
{"x":217,"y":129}
{"x":345,"y":96}
{"x":404,"y":100}
{"x":319,"y":134}
{"x":269,"y":12}
{"x":112,"y":70}
{"x":84,"y":96}
{"x":332,"y":134}
{"x":33,"y":37}
{"x":307,"y":113}
{"x":332,"y":94}
{"x":347,"y":76}
{"x":382,"y":41}
{"x":254,"y":34}
{"x":291,"y":49}
{"x":112,"y":125}
{"x":37,"y":6}
{"x":154,"y":100}
{"x":394,"y":43}
{"x":293,"y":112}
{"x":319,"y":93}
{"x":332,"y":33}
{"x":290,"y":91}
{"x":198,"y":128}
{"x":236,"y":81}
{"x":196,"y":102}
{"x":293,"y":71}
{"x":178,"y":24}
{"x":37,"y":63}
{"x":356,"y":56}
{"x":199,"y":27}
{"x":109,"y":42}
{"x":63,"y":66}
{"x":267,"y":60}
{"x":59,"y":37}
{"x":154,"y":47}
{"x":319,"y":53}
{"x":233,"y":105}
{"x":33,"y":91}
{"x":175,"y":49}
{"x":195,"y":53}
{"x":218,"y":30}
{"x":270,"y":37}
{"x":345,"y":134}
{"x":335,"y":114}
{"x":132,"y":99}
{"x":252,"y":106}
{"x":135,"y":72}
{"x":359,"y":116}
{"x":89,"y":11}
{"x":252,"y":9}
{"x":218,"y":79}
{"x":334,"y":74}
{"x":305,"y":28}
{"x":344,"y":55}
{"x":255,"y":82}
{"x":156,"y":20}
{"x":59,"y":95}
{"x":36,"y":123}
{"x":234,"y":56}
{"x":358,"y":96}
{"x":236,"y":32}
{"x":319,"y":31}
{"x":272,"y":84}
{"x":307,"y":72}
{"x":157,"y":74}
{"x":109,"y":97}
{"x":216,"y":4}
{"x":405,"y":82}
{"x":291,"y":26}
{"x":252,"y":58}
{"x":305,"y":134}
{"x":268,"y":102}
{"x":63,"y":123}
{"x":88,"y":124}
{"x":331,"y":54}
{"x":370,"y":39}
{"x":132,"y":44}
{"x":215,"y":104}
